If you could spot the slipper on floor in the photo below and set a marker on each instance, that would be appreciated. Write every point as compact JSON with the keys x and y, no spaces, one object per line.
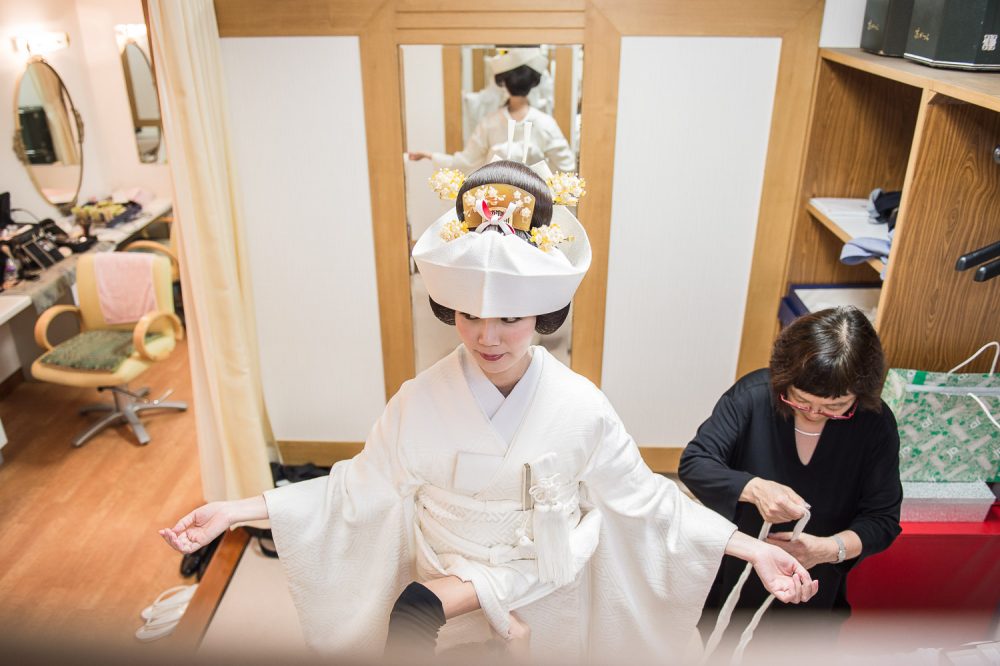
{"x":168,"y":600}
{"x":161,"y":625}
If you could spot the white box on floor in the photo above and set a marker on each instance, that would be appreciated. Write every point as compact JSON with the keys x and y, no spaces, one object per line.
{"x":946,"y":502}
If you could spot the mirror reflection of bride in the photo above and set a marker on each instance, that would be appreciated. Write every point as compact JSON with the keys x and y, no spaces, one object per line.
{"x":518,"y":70}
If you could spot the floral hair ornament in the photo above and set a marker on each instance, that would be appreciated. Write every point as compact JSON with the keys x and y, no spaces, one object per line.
{"x":446,"y":183}
{"x":499,"y":274}
{"x":498,"y":204}
{"x":567,"y":188}
{"x":509,"y":208}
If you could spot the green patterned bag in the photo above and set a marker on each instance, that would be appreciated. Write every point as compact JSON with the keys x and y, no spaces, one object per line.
{"x":947,"y":431}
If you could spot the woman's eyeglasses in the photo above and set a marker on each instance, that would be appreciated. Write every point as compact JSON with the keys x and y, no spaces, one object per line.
{"x":820,"y":412}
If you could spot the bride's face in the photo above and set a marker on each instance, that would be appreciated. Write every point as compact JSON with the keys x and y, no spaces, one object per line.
{"x":499,"y":345}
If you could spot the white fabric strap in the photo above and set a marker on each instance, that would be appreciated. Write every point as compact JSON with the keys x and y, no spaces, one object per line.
{"x":526,"y":141}
{"x":511,"y":125}
{"x":722,"y":623}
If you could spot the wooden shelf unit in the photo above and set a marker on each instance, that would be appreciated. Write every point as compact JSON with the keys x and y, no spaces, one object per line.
{"x":894,"y":124}
{"x":842,"y":234}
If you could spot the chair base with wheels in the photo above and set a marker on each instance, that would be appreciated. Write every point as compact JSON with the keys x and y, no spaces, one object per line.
{"x":125,"y":409}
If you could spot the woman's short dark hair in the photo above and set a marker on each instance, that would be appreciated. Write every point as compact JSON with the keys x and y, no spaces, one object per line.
{"x":520,"y":176}
{"x":518,"y":81}
{"x":829,"y":354}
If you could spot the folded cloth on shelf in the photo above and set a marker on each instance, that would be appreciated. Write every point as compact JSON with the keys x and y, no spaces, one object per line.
{"x":860,"y":250}
{"x":883,"y":206}
{"x":125,"y":285}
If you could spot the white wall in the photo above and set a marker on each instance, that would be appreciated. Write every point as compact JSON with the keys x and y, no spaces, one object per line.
{"x":423,"y":95}
{"x":124,"y":169}
{"x":693,"y":123}
{"x":300,"y":156}
{"x":676,"y":292}
{"x":842,"y":23}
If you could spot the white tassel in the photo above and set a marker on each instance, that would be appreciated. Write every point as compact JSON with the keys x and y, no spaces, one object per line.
{"x":550,"y":525}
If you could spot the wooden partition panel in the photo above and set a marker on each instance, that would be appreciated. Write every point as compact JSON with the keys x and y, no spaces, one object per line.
{"x":599,"y":25}
{"x":939,"y":316}
{"x":451,"y":65}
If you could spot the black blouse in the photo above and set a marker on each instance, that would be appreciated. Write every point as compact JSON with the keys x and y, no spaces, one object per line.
{"x":851,"y":481}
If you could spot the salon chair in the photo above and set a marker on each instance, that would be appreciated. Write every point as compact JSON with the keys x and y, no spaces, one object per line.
{"x":168,"y":249}
{"x":110,"y":356}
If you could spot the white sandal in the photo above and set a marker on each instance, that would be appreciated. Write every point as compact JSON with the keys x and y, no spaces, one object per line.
{"x":168,"y":600}
{"x":161,"y":625}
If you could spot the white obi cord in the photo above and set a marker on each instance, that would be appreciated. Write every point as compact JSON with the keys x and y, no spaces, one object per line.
{"x":727,"y":609}
{"x":514,"y":551}
{"x":555,"y":505}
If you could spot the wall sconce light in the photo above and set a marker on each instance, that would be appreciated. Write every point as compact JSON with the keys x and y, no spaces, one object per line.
{"x":40,"y":43}
{"x":129,"y":32}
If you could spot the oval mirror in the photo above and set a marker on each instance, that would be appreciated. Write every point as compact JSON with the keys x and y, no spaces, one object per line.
{"x":144,"y":103}
{"x":48,"y":135}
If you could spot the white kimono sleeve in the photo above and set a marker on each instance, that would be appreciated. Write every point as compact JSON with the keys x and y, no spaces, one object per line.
{"x":474,"y":155}
{"x":658,"y":554}
{"x":345,"y":543}
{"x":558,"y":154}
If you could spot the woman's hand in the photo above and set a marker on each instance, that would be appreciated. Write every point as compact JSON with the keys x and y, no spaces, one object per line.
{"x":415,"y":155}
{"x":198,"y":528}
{"x":776,"y":503}
{"x":808,"y":549}
{"x":783,"y":576}
{"x":202,"y":525}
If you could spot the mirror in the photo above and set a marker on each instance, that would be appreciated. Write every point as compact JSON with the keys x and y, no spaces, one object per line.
{"x":455,"y":115}
{"x":142,"y":96}
{"x":48,"y":135}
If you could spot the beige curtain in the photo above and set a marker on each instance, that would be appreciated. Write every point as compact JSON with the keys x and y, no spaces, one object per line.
{"x":58,"y":113}
{"x":233,"y":430}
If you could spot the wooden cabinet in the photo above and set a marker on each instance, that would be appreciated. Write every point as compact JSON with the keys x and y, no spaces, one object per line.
{"x":894,"y":124}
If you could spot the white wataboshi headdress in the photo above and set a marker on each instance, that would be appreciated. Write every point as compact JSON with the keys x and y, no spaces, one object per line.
{"x":509,"y":59}
{"x":469,"y":267}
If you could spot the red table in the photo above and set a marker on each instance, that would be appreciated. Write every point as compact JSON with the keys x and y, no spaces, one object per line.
{"x":937,"y":571}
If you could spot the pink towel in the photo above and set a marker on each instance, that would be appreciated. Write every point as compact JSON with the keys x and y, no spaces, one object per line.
{"x":124,"y":285}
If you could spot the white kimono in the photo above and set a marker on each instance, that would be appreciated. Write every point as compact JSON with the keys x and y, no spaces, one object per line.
{"x":490,"y":138}
{"x":643,"y":554}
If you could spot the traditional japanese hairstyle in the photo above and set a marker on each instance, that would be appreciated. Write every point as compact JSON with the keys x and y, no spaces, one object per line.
{"x":519,"y":70}
{"x":510,"y":248}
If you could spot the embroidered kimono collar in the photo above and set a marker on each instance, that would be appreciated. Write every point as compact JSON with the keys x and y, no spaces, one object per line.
{"x":507,"y":413}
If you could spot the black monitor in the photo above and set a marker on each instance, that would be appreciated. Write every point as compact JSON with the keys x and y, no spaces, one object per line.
{"x":5,"y":210}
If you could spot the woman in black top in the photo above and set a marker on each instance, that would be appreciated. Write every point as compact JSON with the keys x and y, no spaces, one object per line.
{"x":809,"y":431}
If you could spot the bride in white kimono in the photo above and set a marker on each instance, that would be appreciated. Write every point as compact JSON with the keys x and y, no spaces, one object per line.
{"x":517,"y":71}
{"x":499,"y":480}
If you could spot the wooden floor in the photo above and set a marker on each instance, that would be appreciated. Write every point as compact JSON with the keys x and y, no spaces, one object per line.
{"x":79,"y":552}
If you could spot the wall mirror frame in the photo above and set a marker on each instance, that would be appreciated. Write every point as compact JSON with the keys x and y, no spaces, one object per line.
{"x":599,"y":26}
{"x":50,"y":149}
{"x":139,"y":74}
{"x":144,"y":102}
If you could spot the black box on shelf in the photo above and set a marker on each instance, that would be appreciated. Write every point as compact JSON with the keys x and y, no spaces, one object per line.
{"x":886,"y":27}
{"x":957,"y":34}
